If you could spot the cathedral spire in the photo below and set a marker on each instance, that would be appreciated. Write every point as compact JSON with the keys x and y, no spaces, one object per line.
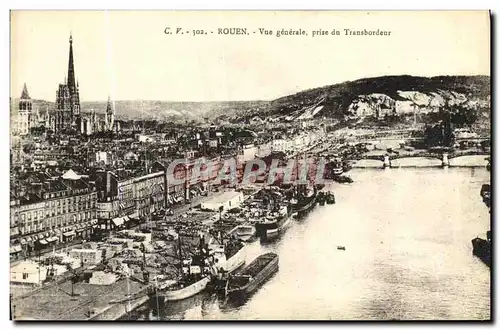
{"x":71,"y":67}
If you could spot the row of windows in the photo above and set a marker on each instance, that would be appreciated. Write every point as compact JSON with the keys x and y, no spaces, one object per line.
{"x":70,"y":200}
{"x":68,"y":193}
{"x":149,"y":183}
{"x":54,"y":211}
{"x":125,"y":195}
{"x":32,"y":227}
{"x":74,"y":217}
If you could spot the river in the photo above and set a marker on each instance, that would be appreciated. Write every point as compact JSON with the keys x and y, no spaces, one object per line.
{"x":408,"y":255}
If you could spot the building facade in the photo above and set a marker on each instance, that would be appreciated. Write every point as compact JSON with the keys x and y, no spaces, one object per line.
{"x":130,"y":198}
{"x":60,"y":211}
{"x":28,"y":272}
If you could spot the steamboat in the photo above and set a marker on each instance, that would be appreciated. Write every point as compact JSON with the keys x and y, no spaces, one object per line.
{"x":208,"y":263}
{"x":275,"y":223}
{"x":303,"y":200}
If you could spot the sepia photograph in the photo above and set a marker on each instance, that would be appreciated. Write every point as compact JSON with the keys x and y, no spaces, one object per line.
{"x":250,"y":165}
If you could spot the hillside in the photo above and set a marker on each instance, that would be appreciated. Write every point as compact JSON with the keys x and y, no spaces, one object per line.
{"x":343,"y":99}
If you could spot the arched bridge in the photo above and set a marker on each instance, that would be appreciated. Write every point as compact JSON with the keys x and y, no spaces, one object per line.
{"x":444,"y":157}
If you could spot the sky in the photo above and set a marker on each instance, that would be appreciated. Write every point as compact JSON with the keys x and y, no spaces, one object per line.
{"x":127,"y":55}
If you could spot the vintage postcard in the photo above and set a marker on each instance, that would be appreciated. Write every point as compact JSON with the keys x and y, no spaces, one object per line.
{"x":250,"y":165}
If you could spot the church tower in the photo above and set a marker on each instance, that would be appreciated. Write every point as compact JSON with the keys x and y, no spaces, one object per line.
{"x":68,"y":98}
{"x":110,"y":116}
{"x":74,"y":88}
{"x":25,"y":112}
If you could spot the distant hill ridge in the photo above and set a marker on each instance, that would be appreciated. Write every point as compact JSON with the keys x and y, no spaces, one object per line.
{"x":336,"y":100}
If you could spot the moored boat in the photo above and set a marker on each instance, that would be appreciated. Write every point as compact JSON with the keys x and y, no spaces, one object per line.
{"x":252,"y":277}
{"x":274,"y":224}
{"x":486,"y":194}
{"x":196,"y":274}
{"x":343,"y":179}
{"x":229,"y":257}
{"x":303,"y":201}
{"x":481,"y":248}
{"x":244,"y":233}
{"x":180,"y":290}
{"x":330,"y":198}
{"x":337,"y":170}
{"x":346,"y":167}
{"x":321,"y":198}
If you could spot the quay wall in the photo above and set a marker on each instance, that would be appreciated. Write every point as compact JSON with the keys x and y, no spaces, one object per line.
{"x":116,"y":311}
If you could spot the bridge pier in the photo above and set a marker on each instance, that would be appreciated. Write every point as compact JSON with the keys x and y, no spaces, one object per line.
{"x":387,"y":161}
{"x":445,"y":161}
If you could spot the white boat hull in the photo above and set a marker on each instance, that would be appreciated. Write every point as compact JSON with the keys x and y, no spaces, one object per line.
{"x":234,"y":262}
{"x":272,"y":233}
{"x":243,"y":233}
{"x":186,"y":292}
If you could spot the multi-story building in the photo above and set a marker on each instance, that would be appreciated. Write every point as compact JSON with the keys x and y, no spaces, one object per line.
{"x":125,"y":197}
{"x":57,"y":210}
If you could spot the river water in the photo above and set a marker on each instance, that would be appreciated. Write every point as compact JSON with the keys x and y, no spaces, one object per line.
{"x":408,"y":255}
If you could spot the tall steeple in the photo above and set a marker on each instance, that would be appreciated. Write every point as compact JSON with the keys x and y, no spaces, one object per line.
{"x":68,"y":98}
{"x":71,"y":68}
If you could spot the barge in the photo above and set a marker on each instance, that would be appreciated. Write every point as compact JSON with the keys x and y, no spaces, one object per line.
{"x":252,"y":277}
